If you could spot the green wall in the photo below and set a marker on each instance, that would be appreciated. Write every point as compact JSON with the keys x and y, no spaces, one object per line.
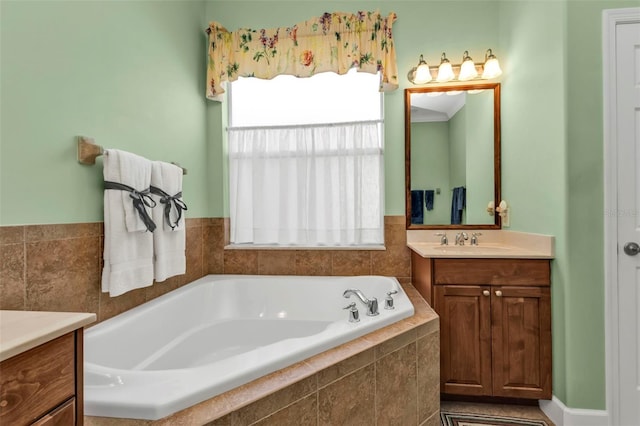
{"x":430,"y":145}
{"x":131,"y":74}
{"x":128,"y":73}
{"x":458,"y":148}
{"x":534,"y":153}
{"x":479,"y":156}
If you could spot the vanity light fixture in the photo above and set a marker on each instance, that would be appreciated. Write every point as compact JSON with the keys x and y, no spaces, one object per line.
{"x":445,"y":72}
{"x":421,"y":73}
{"x":491,"y":66}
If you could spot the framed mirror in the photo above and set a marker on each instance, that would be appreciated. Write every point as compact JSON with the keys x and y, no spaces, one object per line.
{"x":452,"y":156}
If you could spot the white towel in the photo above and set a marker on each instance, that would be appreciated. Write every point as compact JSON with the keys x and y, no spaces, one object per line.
{"x":168,"y":242}
{"x":135,"y":171}
{"x":128,"y":246}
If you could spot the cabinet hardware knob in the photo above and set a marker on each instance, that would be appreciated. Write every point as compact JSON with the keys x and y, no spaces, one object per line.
{"x":498,"y":293}
{"x":486,"y":292}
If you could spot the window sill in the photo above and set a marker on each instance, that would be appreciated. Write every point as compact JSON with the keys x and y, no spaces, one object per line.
{"x":372,"y":247}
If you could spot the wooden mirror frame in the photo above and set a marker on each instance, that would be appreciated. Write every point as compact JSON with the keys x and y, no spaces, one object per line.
{"x":496,"y":150}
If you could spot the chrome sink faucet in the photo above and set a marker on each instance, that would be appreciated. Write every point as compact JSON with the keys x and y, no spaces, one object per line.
{"x":474,"y":238}
{"x":443,"y":238}
{"x":460,"y":238}
{"x":371,"y":304}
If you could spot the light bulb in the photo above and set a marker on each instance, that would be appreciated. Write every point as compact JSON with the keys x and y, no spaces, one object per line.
{"x":421,"y":73}
{"x":491,"y":66}
{"x":445,"y":71}
{"x":468,"y":68}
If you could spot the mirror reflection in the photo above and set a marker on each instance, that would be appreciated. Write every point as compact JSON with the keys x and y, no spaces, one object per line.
{"x":452,"y":153}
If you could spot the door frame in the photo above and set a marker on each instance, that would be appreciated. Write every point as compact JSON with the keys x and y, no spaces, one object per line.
{"x":610,"y":19}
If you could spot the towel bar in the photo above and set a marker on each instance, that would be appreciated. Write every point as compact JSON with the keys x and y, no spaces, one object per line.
{"x":88,"y":151}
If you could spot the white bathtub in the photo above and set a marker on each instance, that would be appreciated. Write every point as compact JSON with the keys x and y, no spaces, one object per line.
{"x":218,"y":333}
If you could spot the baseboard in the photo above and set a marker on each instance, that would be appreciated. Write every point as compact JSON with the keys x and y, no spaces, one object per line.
{"x":562,"y":415}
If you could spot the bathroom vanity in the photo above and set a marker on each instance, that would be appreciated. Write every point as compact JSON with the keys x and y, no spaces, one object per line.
{"x":491,"y":287}
{"x":494,"y":302}
{"x":41,"y":367}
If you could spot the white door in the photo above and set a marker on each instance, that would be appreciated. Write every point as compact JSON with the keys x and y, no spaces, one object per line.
{"x":628,"y":177}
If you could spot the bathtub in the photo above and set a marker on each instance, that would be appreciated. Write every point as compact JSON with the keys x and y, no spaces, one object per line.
{"x":218,"y":333}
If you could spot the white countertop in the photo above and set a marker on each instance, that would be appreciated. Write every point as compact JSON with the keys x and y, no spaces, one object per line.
{"x":23,"y":330}
{"x":492,"y":244}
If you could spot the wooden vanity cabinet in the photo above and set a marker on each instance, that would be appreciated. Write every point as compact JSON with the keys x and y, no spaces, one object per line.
{"x":43,"y":386}
{"x":495,"y":324}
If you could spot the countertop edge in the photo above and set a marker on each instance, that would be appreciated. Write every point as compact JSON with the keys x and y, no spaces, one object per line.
{"x":38,"y":327}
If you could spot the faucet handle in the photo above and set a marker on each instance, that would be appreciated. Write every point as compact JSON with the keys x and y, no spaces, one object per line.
{"x":388,"y":301}
{"x":461,"y":237}
{"x":474,"y":238}
{"x":444,"y":241}
{"x":354,"y":315}
{"x":372,"y":307}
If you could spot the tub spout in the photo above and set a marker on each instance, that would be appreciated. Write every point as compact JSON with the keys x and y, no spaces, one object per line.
{"x":371,"y":304}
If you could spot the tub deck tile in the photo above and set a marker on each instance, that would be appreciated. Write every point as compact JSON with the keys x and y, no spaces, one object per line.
{"x":338,"y":404}
{"x":396,"y":387}
{"x":393,"y":339}
{"x":332,"y":358}
{"x":275,"y":401}
{"x":347,"y":366}
{"x":301,"y":412}
{"x":428,"y":368}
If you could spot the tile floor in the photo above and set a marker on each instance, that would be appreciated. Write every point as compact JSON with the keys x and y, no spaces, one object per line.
{"x":532,"y":412}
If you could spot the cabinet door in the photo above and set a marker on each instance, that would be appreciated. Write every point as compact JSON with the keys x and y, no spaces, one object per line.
{"x":521,"y":329}
{"x":465,"y":346}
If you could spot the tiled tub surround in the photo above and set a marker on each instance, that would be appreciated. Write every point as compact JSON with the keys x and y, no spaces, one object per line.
{"x":58,"y":267}
{"x":390,"y":376}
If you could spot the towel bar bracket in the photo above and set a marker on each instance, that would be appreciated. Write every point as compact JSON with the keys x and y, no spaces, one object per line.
{"x":88,"y":151}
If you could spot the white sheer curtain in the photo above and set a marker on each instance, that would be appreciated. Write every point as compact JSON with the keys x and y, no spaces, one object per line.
{"x":316,"y":185}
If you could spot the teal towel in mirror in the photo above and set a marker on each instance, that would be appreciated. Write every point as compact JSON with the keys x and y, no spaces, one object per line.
{"x":417,"y":209}
{"x":428,"y":199}
{"x":458,"y":200}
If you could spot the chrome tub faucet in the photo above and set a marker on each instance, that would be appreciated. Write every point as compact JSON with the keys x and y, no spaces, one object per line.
{"x":371,"y":304}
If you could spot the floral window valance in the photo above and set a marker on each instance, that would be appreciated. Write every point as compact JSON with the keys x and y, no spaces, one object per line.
{"x":332,"y":42}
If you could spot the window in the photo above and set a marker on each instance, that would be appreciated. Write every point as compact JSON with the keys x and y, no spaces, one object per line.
{"x":306,"y":161}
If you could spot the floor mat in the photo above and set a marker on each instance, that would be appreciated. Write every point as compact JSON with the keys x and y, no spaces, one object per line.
{"x":467,"y":419}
